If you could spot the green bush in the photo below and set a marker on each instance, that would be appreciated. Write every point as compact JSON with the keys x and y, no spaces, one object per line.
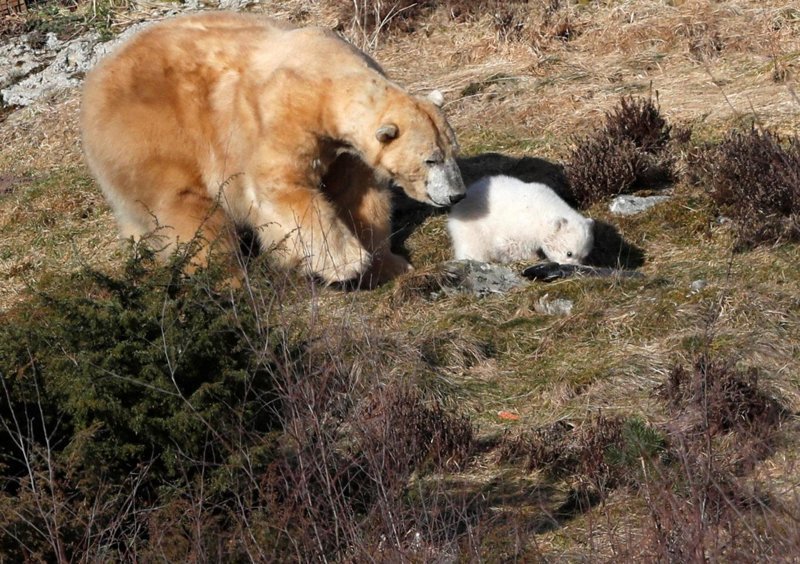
{"x":105,"y":376}
{"x":150,"y":365}
{"x":151,"y":415}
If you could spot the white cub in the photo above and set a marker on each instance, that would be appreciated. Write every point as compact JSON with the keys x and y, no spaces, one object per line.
{"x":503,"y":219}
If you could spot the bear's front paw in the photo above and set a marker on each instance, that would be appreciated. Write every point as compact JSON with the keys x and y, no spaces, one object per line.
{"x":342,"y":259}
{"x":385,"y":267}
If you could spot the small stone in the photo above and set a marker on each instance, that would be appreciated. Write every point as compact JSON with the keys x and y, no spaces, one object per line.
{"x":553,"y":306}
{"x":697,"y":286}
{"x":630,"y":205}
{"x":482,"y":278}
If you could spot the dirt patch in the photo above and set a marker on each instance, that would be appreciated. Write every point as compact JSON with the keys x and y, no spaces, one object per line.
{"x":7,"y":183}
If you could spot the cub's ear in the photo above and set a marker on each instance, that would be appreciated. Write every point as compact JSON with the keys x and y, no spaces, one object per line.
{"x":559,"y":223}
{"x":437,"y":98}
{"x":386,"y":132}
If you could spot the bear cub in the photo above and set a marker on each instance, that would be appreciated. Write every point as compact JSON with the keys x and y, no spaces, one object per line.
{"x":503,"y":219}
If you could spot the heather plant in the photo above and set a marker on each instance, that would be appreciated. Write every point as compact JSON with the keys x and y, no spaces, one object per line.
{"x":631,"y":149}
{"x":639,"y":120}
{"x":602,"y":452}
{"x":600,"y":167}
{"x":754,"y":179}
{"x":723,"y":423}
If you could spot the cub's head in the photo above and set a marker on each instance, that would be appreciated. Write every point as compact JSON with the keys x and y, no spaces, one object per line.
{"x":415,"y":148}
{"x":570,"y":240}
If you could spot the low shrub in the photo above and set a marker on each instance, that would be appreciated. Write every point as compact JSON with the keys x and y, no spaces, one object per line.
{"x":600,"y":167}
{"x":713,"y":396}
{"x":700,"y":501}
{"x":632,"y":148}
{"x":602,"y":453}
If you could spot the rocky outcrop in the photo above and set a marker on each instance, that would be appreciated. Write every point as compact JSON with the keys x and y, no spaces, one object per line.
{"x":34,"y":65}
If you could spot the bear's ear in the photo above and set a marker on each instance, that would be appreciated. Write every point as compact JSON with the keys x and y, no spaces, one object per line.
{"x":437,"y":98}
{"x":559,"y":223}
{"x":386,"y":132}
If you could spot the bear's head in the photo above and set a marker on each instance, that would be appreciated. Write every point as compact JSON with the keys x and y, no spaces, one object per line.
{"x":415,"y":149}
{"x":570,"y":240}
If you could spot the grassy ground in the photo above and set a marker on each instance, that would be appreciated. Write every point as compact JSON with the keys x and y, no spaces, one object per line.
{"x":527,"y":80}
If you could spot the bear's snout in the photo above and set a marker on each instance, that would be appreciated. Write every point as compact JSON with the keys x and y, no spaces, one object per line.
{"x":444,"y":185}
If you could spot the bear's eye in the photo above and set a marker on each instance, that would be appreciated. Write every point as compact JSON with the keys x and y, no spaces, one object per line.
{"x":569,"y":254}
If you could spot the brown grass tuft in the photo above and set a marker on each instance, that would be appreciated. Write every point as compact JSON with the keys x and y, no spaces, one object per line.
{"x":714,"y":396}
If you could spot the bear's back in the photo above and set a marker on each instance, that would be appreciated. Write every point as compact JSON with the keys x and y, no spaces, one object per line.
{"x":506,"y":200}
{"x":201,"y":47}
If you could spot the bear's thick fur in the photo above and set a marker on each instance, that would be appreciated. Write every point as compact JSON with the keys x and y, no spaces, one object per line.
{"x":208,"y":121}
{"x":503,"y":219}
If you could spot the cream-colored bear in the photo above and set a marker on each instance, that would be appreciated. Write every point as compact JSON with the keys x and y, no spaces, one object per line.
{"x":208,"y":121}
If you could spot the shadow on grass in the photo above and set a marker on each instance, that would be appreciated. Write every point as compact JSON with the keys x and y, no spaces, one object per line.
{"x":612,"y":251}
{"x":491,"y":513}
{"x":513,"y":501}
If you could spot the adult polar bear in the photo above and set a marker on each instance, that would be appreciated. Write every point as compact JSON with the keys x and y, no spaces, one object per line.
{"x":206,"y":121}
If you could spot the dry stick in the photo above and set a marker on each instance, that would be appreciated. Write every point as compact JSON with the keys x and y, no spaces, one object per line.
{"x":722,"y":91}
{"x":249,"y":529}
{"x":19,"y":442}
{"x":59,"y":544}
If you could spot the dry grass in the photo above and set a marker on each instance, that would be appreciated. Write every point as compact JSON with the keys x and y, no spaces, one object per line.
{"x":524,"y":84}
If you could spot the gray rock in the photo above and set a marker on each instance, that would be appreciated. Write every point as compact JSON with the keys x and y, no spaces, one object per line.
{"x":20,"y":57}
{"x":237,"y":5}
{"x":553,"y":306}
{"x":630,"y":205}
{"x":481,"y":278}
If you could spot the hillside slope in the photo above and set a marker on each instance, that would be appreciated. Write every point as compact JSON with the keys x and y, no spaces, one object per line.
{"x":656,"y":420}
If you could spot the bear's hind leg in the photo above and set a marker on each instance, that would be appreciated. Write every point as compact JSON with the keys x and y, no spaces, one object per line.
{"x":191,"y":216}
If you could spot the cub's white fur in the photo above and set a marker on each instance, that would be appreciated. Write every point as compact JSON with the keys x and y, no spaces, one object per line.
{"x":503,"y":219}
